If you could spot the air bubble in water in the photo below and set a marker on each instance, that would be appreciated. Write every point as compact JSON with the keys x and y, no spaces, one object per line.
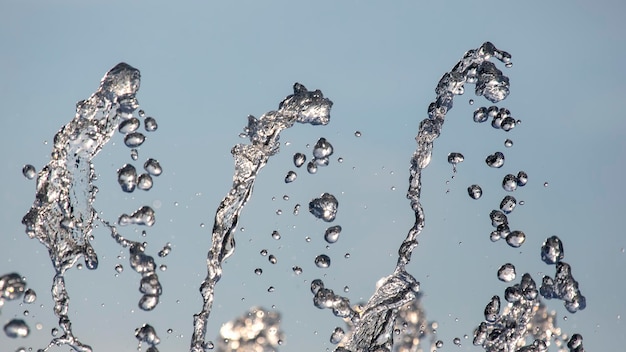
{"x":311,"y":167}
{"x":324,"y":208}
{"x":508,"y":204}
{"x":337,"y":335}
{"x":144,"y":182}
{"x":506,"y":272}
{"x":495,"y":160}
{"x":134,"y":140}
{"x":299,"y":159}
{"x":322,"y":149}
{"x":332,"y":234}
{"x":150,"y":124}
{"x":516,"y":238}
{"x":16,"y":328}
{"x":509,"y":183}
{"x":29,"y":171}
{"x":30,"y":296}
{"x":552,"y":250}
{"x":474,"y":191}
{"x":129,"y":126}
{"x":153,"y":167}
{"x":322,"y":261}
{"x":127,"y":178}
{"x":508,"y":143}
{"x":291,"y":176}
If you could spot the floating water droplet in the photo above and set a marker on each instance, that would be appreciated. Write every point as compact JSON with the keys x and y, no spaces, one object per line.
{"x":128,"y":126}
{"x":325,"y":207}
{"x":474,"y":191}
{"x":275,"y":235}
{"x":455,"y":158}
{"x":153,"y":167}
{"x":439,"y":344}
{"x":166,"y":250}
{"x":471,"y":102}
{"x":263,"y":252}
{"x":127,"y":178}
{"x":508,"y":143}
{"x":322,"y":149}
{"x":552,"y":250}
{"x":30,"y":296}
{"x":134,"y":140}
{"x":498,"y":218}
{"x":296,"y":209}
{"x":357,"y":134}
{"x":508,"y":123}
{"x":258,"y":271}
{"x":322,"y":261}
{"x":492,"y":310}
{"x":340,"y":160}
{"x":311,"y":167}
{"x":29,"y":171}
{"x":495,"y":160}
{"x":12,"y":286}
{"x":144,"y":182}
{"x":291,"y":176}
{"x":16,"y":328}
{"x":332,"y":234}
{"x":480,"y":115}
{"x":299,"y":159}
{"x":516,"y":238}
{"x":506,"y":272}
{"x":119,"y":268}
{"x":272,"y":259}
{"x":271,"y":289}
{"x":509,"y":183}
{"x":545,"y":184}
{"x":134,"y":154}
{"x":148,"y":335}
{"x":322,"y":161}
{"x":142,"y":216}
{"x":150,"y":124}
{"x":522,"y":178}
{"x":337,"y":335}
{"x":457,"y":341}
{"x":508,"y":204}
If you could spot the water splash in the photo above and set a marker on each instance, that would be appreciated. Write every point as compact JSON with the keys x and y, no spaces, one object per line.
{"x":302,"y":106}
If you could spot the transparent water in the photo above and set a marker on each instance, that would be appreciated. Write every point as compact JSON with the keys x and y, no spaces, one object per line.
{"x":63,"y":217}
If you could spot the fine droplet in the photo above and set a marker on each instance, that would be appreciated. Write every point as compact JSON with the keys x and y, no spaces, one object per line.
{"x":16,"y":328}
{"x":322,"y":261}
{"x":325,"y":207}
{"x":127,"y":178}
{"x":134,"y":140}
{"x":495,"y":160}
{"x":150,"y":124}
{"x":272,"y":259}
{"x":516,"y":238}
{"x":508,"y":143}
{"x":322,"y":149}
{"x":30,"y":296}
{"x":258,"y":271}
{"x":134,"y":154}
{"x":297,"y":270}
{"x":144,"y":182}
{"x":508,"y":204}
{"x":332,"y":234}
{"x":474,"y":191}
{"x":29,"y":171}
{"x":552,"y":250}
{"x":299,"y":159}
{"x":291,"y":176}
{"x":275,"y":235}
{"x":129,"y":126}
{"x":119,"y":268}
{"x":455,"y":158}
{"x":311,"y":167}
{"x":357,"y":134}
{"x":153,"y":167}
{"x":509,"y":183}
{"x":506,"y":272}
{"x":337,"y":335}
{"x":522,"y":178}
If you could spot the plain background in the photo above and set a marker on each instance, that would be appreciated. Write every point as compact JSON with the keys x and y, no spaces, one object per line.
{"x":207,"y":65}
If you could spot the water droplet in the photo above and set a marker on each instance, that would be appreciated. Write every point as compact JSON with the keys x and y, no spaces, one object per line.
{"x":439,"y":344}
{"x":134,"y":154}
{"x":163,"y":267}
{"x":291,"y":176}
{"x":142,"y":216}
{"x":12,"y":286}
{"x":153,"y":167}
{"x":127,"y":178}
{"x":279,"y":212}
{"x":129,"y":125}
{"x":522,"y":178}
{"x":457,"y":341}
{"x":337,"y":335}
{"x":272,"y":259}
{"x":455,"y":158}
{"x":150,"y":124}
{"x":332,"y":234}
{"x":16,"y":328}
{"x":30,"y":296}
{"x":325,"y":207}
{"x":552,"y":250}
{"x":545,"y":184}
{"x":322,"y":149}
{"x":508,"y":123}
{"x":516,"y":238}
{"x":357,"y":134}
{"x":148,"y":335}
{"x":340,"y":160}
{"x":495,"y":160}
{"x":508,"y":204}
{"x":134,"y":140}
{"x":299,"y":159}
{"x":119,"y":268}
{"x":480,"y":115}
{"x":263,"y":252}
{"x":322,"y":261}
{"x":271,"y":289}
{"x":509,"y":183}
{"x":492,"y":310}
{"x":296,"y":209}
{"x":258,"y":271}
{"x":506,"y":272}
{"x":508,"y":143}
{"x":144,"y":182}
{"x":166,"y":250}
{"x":311,"y":167}
{"x":29,"y":171}
{"x":471,"y":102}
{"x":474,"y":191}
{"x":297,"y":270}
{"x":275,"y":235}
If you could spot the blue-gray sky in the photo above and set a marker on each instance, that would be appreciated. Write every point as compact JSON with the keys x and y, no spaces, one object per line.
{"x":206,"y":66}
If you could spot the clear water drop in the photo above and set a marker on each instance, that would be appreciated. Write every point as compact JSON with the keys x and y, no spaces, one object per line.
{"x":454,"y":158}
{"x":153,"y":167}
{"x":299,"y":159}
{"x":296,"y":270}
{"x":522,"y":178}
{"x":508,"y":143}
{"x":275,"y":235}
{"x":324,"y":207}
{"x":29,"y":171}
{"x":291,"y":176}
{"x":134,"y":154}
{"x":357,"y":134}
{"x":552,"y":250}
{"x":272,"y":259}
{"x":258,"y":271}
{"x":337,"y":335}
{"x":495,"y":160}
{"x":311,"y":167}
{"x":129,"y":125}
{"x":134,"y":139}
{"x":322,"y":149}
{"x":119,"y":268}
{"x":492,"y":310}
{"x":509,"y":183}
{"x":322,"y":261}
{"x":516,"y":238}
{"x":331,"y":235}
{"x":480,"y":115}
{"x":474,"y":191}
{"x":506,"y":273}
{"x":150,"y":124}
{"x":16,"y":328}
{"x":30,"y":296}
{"x":144,"y":182}
{"x":507,"y":204}
{"x":127,"y":178}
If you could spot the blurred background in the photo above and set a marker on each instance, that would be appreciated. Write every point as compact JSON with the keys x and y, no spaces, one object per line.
{"x":206,"y":65}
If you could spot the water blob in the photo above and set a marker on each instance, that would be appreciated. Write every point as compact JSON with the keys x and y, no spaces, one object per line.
{"x":506,"y":273}
{"x":12,"y":286}
{"x":258,"y":271}
{"x":552,"y":250}
{"x":134,"y":139}
{"x":474,"y":191}
{"x":119,"y":268}
{"x":455,"y":158}
{"x":492,"y":310}
{"x":29,"y":171}
{"x":522,"y":178}
{"x":144,"y":182}
{"x":495,"y":160}
{"x":153,"y":167}
{"x":30,"y":296}
{"x":332,"y":234}
{"x":150,"y":124}
{"x":272,"y":259}
{"x":322,"y":149}
{"x":509,"y":183}
{"x":337,"y":335}
{"x":508,"y":204}
{"x":142,"y":216}
{"x":16,"y":328}
{"x":357,"y":134}
{"x":508,"y":143}
{"x":291,"y":176}
{"x":148,"y":335}
{"x":299,"y":159}
{"x":322,"y":261}
{"x":296,"y":270}
{"x":480,"y":115}
{"x":498,"y":218}
{"x":165,"y":250}
{"x":129,"y":125}
{"x":311,"y":167}
{"x":296,"y":209}
{"x":516,"y":238}
{"x":507,"y":124}
{"x":324,"y":207}
{"x":127,"y":178}
{"x":134,"y":154}
{"x":275,"y":235}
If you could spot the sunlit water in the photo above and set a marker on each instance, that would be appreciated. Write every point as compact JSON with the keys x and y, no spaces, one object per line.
{"x":62,"y":219}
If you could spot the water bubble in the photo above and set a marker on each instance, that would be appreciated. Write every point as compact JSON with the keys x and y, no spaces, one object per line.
{"x":337,"y":335}
{"x":29,"y":171}
{"x":495,"y":160}
{"x":272,"y":259}
{"x":299,"y":159}
{"x":311,"y":167}
{"x":322,"y":149}
{"x":474,"y":191}
{"x":127,"y":178}
{"x":30,"y":296}
{"x":322,"y":261}
{"x":439,"y":344}
{"x":509,"y":183}
{"x":457,"y":341}
{"x":291,"y":176}
{"x":128,"y":126}
{"x":357,"y":134}
{"x":153,"y":167}
{"x":134,"y":140}
{"x":522,"y":178}
{"x":498,"y":218}
{"x":144,"y":182}
{"x":324,"y":208}
{"x":508,"y":204}
{"x":16,"y":328}
{"x":258,"y":271}
{"x":552,"y":250}
{"x":516,"y":238}
{"x":332,"y":234}
{"x":263,"y":252}
{"x":508,"y":143}
{"x":480,"y":115}
{"x":150,"y":124}
{"x":506,"y":272}
{"x":275,"y":235}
